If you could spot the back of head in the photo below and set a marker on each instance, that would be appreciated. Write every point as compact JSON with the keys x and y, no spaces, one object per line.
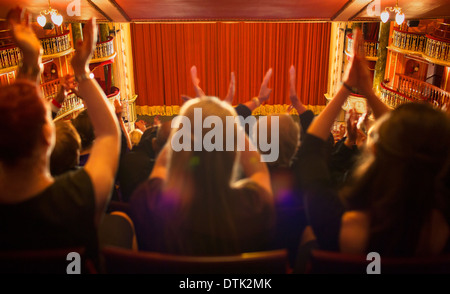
{"x":208,"y":161}
{"x":135,"y":137}
{"x":65,"y":155}
{"x":22,"y":114}
{"x":415,"y":133}
{"x":288,"y":135}
{"x":84,"y":127}
{"x":201,"y":180}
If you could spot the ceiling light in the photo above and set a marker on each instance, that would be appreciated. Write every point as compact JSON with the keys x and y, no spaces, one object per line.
{"x":384,"y":16}
{"x":56,"y":18}
{"x":399,"y":18}
{"x":41,"y":20}
{"x":399,"y":15}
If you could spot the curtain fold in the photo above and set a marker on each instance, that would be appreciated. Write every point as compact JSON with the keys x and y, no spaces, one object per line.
{"x":163,"y":54}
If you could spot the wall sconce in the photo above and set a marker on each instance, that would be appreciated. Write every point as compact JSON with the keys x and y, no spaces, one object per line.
{"x":399,"y":15}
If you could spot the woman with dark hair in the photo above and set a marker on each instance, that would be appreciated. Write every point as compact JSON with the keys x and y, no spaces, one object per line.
{"x":37,"y":210}
{"x":395,"y":203}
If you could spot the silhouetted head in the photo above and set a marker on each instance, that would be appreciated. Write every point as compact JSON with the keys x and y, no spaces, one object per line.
{"x":66,"y":154}
{"x":84,"y":127}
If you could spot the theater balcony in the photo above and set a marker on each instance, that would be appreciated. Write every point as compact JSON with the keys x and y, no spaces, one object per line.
{"x":433,"y":47}
{"x":104,"y":51}
{"x":370,"y":48}
{"x":407,"y":89}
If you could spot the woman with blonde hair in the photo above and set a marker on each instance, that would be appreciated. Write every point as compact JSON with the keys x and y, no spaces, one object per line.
{"x":192,"y":202}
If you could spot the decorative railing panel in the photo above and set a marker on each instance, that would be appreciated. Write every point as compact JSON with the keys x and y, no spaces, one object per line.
{"x":56,"y":44}
{"x":104,"y":49}
{"x":410,"y":89}
{"x":437,"y":49}
{"x":10,"y":57}
{"x":409,"y":41}
{"x":430,"y":47}
{"x":370,"y":47}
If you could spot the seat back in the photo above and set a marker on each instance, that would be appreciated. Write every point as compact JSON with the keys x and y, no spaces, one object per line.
{"x":326,"y":262}
{"x":50,"y":261}
{"x":123,"y":261}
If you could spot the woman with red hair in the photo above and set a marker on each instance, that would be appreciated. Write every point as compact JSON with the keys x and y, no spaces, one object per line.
{"x":37,"y":210}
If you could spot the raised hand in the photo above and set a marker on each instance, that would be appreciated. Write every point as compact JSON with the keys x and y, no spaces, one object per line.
{"x":24,"y":36}
{"x":196,"y":81}
{"x":264,"y":91}
{"x":141,"y":125}
{"x":231,"y":90}
{"x":296,"y":103}
{"x":118,"y":106}
{"x":352,"y":129}
{"x":84,"y":48}
{"x":356,"y":70}
{"x":185,"y":98}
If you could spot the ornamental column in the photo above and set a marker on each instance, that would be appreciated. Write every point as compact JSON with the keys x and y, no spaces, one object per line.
{"x":380,"y":66}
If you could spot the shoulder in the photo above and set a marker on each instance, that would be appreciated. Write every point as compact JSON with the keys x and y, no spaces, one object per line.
{"x":73,"y":187}
{"x":251,"y":191}
{"x":354,"y":232}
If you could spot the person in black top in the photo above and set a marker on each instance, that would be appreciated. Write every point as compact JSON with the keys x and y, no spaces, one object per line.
{"x":37,"y":210}
{"x":395,"y":203}
{"x":136,"y":166}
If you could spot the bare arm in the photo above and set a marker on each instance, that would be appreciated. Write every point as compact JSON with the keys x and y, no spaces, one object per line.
{"x":296,"y":103}
{"x":103,"y":159}
{"x":264,"y":93}
{"x":321,"y":126}
{"x":365,"y":85}
{"x":25,"y":38}
{"x":254,"y":169}
{"x":118,"y":108}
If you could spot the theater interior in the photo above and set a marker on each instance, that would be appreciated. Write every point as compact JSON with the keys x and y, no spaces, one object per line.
{"x":146,"y":49}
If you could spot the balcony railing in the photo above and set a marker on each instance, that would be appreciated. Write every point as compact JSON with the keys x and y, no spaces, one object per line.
{"x":437,"y":49}
{"x":56,"y":44}
{"x":393,"y":98}
{"x":409,"y":41}
{"x":10,"y":57}
{"x":370,"y":47}
{"x":410,"y":89}
{"x":430,"y":47}
{"x":50,"y":89}
{"x":73,"y":104}
{"x":104,"y":50}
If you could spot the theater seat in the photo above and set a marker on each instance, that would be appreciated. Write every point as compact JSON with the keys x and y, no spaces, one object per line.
{"x":51,"y":261}
{"x":123,"y":261}
{"x":326,"y":262}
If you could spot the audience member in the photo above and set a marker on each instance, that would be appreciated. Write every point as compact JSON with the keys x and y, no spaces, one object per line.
{"x":394,"y":203}
{"x":136,"y":166}
{"x":83,"y":125}
{"x":66,"y":153}
{"x":135,"y":137}
{"x":37,"y":210}
{"x":192,"y":204}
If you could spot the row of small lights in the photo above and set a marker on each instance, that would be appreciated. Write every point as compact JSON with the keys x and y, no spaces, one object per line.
{"x":57,"y":18}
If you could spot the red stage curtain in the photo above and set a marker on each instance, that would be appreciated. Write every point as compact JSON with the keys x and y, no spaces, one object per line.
{"x":163,"y":54}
